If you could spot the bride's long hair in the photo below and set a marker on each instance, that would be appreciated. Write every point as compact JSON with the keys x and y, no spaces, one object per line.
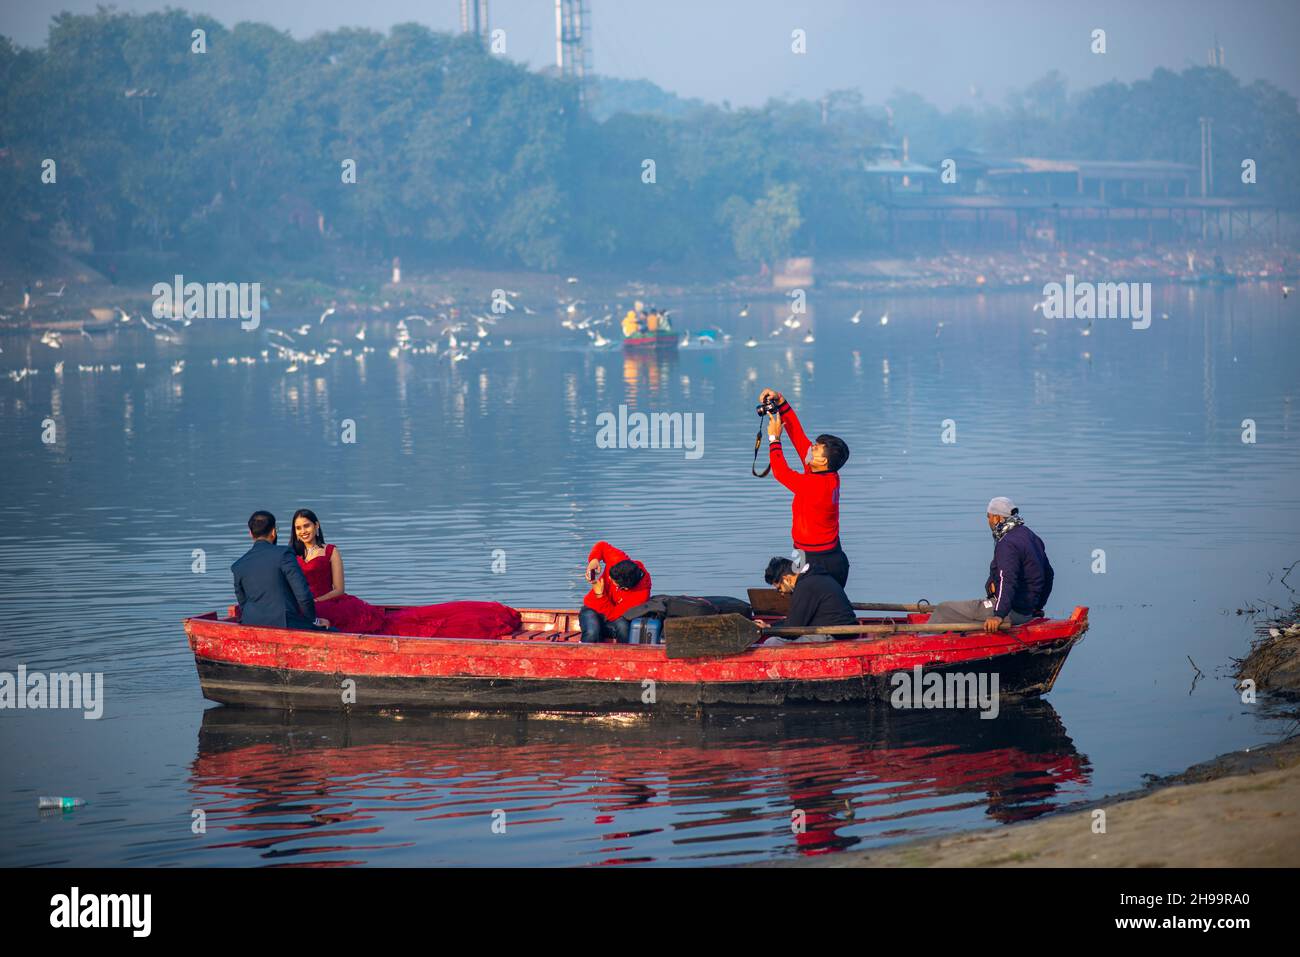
{"x":299,"y":548}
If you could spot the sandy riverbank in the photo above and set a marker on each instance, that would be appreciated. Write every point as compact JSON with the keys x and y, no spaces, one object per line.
{"x":1241,"y":809}
{"x":65,"y":288}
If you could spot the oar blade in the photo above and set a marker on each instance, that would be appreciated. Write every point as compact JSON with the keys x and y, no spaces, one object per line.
{"x":708,"y":636}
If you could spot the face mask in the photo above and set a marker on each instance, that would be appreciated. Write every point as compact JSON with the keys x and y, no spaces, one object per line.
{"x":1006,"y":525}
{"x":808,"y":456}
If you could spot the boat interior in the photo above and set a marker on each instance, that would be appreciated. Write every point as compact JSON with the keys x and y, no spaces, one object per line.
{"x":561,"y":624}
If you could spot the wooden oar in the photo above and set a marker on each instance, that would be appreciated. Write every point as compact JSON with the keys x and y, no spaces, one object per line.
{"x":719,"y":635}
{"x":885,"y":606}
{"x":902,"y":628}
{"x":769,"y":601}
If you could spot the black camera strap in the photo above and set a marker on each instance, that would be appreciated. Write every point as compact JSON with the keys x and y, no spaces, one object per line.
{"x":758,"y":444}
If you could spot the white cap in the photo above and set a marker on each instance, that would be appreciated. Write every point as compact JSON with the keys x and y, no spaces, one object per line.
{"x":1001,"y":506}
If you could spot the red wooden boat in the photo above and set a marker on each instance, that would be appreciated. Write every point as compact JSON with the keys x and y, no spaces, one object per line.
{"x":545,"y":667}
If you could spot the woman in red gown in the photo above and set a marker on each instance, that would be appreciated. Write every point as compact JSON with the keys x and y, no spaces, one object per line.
{"x":323,"y":567}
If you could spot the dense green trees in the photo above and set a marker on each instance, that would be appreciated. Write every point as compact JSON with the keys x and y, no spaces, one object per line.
{"x":240,"y":153}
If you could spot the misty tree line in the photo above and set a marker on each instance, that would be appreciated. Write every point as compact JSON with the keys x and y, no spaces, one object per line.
{"x":238,"y":153}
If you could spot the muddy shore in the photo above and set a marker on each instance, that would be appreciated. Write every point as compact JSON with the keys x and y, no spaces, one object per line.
{"x":65,"y":288}
{"x":1240,"y":809}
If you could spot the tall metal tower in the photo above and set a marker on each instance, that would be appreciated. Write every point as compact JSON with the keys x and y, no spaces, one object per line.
{"x":474,"y":18}
{"x":572,"y":43}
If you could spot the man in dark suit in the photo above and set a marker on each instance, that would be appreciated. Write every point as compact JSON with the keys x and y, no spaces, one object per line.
{"x":269,"y":586}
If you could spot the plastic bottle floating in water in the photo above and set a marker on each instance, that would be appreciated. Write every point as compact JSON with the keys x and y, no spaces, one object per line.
{"x":58,"y":803}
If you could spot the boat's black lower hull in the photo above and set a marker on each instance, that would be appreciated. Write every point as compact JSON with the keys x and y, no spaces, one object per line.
{"x":1021,"y":674}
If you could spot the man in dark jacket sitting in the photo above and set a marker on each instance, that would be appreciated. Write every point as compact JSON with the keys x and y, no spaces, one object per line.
{"x":1020,"y":576}
{"x":816,"y":598}
{"x":269,"y":585}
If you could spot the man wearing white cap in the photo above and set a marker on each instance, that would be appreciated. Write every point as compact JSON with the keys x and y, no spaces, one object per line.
{"x":1020,"y":576}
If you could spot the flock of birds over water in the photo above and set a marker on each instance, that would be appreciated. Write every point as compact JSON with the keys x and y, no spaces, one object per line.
{"x":448,"y":331}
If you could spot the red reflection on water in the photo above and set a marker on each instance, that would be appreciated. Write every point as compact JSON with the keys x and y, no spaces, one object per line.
{"x":807,"y":783}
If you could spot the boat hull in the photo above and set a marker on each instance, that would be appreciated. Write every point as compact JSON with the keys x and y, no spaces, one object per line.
{"x":328,"y":671}
{"x":650,"y":343}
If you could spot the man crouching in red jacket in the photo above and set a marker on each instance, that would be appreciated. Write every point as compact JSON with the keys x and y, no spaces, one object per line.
{"x":619,"y":587}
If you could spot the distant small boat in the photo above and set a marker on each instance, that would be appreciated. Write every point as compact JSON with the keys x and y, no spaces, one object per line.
{"x":544,"y":666}
{"x":650,"y":341}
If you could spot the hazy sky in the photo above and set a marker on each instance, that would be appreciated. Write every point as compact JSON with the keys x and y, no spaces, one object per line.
{"x":739,"y":50}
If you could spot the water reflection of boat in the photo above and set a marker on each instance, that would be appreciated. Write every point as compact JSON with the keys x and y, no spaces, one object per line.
{"x":544,"y":666}
{"x":322,"y":790}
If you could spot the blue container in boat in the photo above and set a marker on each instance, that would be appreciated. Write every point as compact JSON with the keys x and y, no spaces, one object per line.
{"x":645,"y":630}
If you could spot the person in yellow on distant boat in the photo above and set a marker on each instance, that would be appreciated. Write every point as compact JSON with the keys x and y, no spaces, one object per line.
{"x":634,"y":322}
{"x":640,"y":321}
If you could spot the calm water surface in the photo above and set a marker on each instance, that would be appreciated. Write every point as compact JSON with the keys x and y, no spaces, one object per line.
{"x":1120,"y":440}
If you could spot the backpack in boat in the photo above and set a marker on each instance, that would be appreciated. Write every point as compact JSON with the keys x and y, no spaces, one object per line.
{"x":687,"y":606}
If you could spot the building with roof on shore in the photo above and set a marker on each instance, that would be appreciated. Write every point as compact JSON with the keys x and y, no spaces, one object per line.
{"x":970,"y":198}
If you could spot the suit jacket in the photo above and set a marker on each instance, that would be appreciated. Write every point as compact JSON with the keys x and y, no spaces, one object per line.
{"x":271,"y":589}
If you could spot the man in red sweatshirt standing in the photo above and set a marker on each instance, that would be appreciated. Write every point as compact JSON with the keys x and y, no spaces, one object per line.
{"x":619,"y":586}
{"x":816,"y":506}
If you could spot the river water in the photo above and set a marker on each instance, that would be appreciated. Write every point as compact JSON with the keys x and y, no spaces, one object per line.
{"x":1119,"y":441}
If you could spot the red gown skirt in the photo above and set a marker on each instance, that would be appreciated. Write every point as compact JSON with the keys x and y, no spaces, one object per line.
{"x":349,"y":613}
{"x":453,"y":619}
